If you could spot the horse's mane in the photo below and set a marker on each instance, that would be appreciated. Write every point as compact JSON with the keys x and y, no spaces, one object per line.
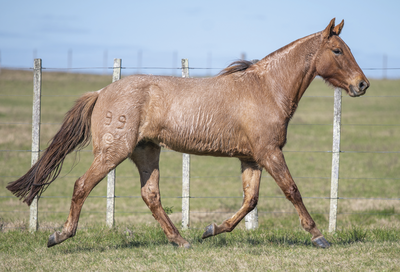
{"x":237,"y":66}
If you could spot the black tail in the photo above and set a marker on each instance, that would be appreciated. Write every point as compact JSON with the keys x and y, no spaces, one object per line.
{"x":73,"y":134}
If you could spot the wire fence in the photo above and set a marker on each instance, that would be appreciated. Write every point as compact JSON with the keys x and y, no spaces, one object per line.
{"x":222,"y":177}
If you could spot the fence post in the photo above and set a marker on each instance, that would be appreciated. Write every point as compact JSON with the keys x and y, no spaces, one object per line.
{"x":112,"y":174}
{"x":337,"y":113}
{"x":185,"y":169}
{"x":251,"y":219}
{"x":37,"y":92}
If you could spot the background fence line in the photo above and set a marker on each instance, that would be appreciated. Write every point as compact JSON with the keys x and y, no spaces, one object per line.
{"x":335,"y":152}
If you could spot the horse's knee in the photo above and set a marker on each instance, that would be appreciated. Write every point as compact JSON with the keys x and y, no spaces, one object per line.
{"x":293,"y":194}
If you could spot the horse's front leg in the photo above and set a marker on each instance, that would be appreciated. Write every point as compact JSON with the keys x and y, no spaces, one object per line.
{"x":274,"y":162}
{"x":251,"y":176}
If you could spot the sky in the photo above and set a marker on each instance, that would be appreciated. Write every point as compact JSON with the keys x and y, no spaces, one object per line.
{"x":211,"y":34}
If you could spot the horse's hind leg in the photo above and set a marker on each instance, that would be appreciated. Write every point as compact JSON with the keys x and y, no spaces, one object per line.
{"x":251,"y":176}
{"x":146,"y":157}
{"x":83,"y":186}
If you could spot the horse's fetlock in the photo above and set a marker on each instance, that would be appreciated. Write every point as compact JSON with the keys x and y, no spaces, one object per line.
{"x":309,"y":226}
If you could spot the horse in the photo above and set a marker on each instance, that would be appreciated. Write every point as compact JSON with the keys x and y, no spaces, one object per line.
{"x":242,"y":112}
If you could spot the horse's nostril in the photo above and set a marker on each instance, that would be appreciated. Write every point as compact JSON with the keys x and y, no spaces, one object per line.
{"x":362,"y":85}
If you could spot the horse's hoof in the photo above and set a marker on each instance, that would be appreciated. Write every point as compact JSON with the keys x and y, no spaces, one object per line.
{"x":321,"y":242}
{"x":210,"y":231}
{"x":186,"y":245}
{"x":53,"y":239}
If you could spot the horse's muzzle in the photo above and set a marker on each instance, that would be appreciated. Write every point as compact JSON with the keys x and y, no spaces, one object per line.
{"x":360,"y":89}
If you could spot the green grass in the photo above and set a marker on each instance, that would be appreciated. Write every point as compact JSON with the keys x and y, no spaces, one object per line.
{"x":145,"y":248}
{"x":368,"y":229}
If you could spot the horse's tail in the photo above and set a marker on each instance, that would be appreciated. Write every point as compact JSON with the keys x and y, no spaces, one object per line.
{"x":73,"y":134}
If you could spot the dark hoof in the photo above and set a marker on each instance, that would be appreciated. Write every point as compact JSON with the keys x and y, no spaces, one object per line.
{"x":210,"y":231}
{"x":53,"y":239}
{"x":321,"y":242}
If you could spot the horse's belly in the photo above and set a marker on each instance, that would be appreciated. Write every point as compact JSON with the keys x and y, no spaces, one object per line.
{"x":221,"y":145}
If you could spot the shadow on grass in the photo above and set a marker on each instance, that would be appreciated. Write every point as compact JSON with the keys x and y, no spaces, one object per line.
{"x":103,"y":248}
{"x":155,"y":237}
{"x":102,"y":239}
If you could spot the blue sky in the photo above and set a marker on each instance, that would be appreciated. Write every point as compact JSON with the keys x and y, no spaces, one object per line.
{"x":208,"y":33}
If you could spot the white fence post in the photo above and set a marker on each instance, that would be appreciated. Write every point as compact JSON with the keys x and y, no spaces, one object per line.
{"x":251,"y":219}
{"x":337,"y":113}
{"x":185,"y":169}
{"x":111,"y":176}
{"x":37,"y":92}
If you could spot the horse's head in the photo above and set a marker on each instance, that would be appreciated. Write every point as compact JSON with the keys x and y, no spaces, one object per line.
{"x":336,"y":64}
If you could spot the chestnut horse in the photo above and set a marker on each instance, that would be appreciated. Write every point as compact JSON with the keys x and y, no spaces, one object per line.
{"x":243,"y":112}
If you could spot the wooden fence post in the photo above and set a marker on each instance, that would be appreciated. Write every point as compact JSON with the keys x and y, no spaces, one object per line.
{"x":111,"y":177}
{"x":185,"y":169}
{"x":337,"y":113}
{"x":37,"y":92}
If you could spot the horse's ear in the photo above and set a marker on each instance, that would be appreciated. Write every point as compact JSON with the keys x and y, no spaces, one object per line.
{"x":338,"y":28}
{"x":328,"y":31}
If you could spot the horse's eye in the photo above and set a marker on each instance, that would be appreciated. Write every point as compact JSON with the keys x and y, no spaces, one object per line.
{"x":337,"y":51}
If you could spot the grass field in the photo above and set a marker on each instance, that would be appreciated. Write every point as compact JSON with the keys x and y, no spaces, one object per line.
{"x":368,"y":220}
{"x":145,"y":248}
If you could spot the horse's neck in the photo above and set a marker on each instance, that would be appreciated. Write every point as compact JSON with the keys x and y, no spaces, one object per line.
{"x":289,"y":71}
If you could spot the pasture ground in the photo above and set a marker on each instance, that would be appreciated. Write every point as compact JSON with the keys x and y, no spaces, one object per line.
{"x":145,"y":248}
{"x":368,"y":221}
